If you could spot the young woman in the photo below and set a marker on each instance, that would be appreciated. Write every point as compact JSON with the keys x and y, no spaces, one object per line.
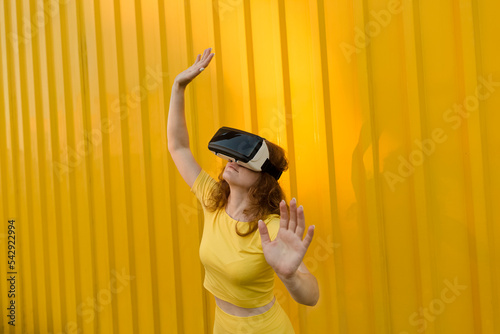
{"x":239,"y":262}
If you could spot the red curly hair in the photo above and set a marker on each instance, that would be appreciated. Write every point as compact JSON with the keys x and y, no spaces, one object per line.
{"x":265,"y":195}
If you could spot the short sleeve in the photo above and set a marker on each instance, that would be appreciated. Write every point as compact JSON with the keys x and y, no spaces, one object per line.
{"x":202,"y":187}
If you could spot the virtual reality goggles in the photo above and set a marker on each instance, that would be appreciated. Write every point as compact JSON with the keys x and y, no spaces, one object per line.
{"x":247,"y":149}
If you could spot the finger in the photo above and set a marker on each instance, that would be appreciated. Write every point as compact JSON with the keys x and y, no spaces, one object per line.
{"x":203,"y":54}
{"x":264,"y":234}
{"x":206,"y":53}
{"x":283,"y":215}
{"x":293,"y":215}
{"x":301,"y":222}
{"x":198,"y":57}
{"x":208,"y":60}
{"x":309,"y":236}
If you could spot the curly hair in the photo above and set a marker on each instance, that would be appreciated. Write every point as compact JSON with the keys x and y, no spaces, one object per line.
{"x":265,"y":195}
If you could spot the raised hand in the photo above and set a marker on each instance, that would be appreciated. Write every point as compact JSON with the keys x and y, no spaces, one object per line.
{"x":194,"y":70}
{"x":285,"y":253}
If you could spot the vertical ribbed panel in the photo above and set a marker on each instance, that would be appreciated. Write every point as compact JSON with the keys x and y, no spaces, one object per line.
{"x":388,"y":114}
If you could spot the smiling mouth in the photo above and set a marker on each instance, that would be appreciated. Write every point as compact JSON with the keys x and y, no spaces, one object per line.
{"x":233,"y":168}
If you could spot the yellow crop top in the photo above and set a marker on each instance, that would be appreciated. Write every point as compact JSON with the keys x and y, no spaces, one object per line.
{"x":235,"y":267}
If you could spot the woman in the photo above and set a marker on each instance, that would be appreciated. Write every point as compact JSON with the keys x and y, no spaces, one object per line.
{"x":240,"y":263}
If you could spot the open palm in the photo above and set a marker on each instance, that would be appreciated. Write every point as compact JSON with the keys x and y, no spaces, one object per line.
{"x":193,"y":71}
{"x":285,"y":253}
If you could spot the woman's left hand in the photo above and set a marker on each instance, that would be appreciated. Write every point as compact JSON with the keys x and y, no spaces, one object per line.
{"x":285,"y":253}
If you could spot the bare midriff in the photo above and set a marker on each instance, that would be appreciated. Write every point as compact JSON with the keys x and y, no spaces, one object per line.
{"x":242,"y":311}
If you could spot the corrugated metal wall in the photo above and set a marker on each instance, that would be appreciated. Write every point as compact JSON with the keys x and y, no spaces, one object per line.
{"x":389,"y":113}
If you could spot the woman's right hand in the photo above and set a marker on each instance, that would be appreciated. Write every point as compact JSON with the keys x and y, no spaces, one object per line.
{"x":188,"y":75}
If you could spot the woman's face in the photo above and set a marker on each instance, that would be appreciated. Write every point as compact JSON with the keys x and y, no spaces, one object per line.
{"x":240,"y":176}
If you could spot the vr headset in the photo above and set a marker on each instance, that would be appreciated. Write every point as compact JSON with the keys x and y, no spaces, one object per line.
{"x":247,"y":149}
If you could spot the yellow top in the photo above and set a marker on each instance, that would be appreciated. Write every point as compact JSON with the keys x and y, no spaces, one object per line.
{"x":235,"y":267}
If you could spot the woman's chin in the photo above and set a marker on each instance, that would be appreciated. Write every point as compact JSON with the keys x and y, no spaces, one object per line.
{"x":230,"y":178}
{"x":227,"y":176}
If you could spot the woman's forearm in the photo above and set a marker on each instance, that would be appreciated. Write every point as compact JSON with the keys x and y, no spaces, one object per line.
{"x":177,"y":133}
{"x":303,"y":287}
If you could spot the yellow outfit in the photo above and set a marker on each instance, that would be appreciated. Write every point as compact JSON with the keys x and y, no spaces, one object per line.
{"x":236,"y":270}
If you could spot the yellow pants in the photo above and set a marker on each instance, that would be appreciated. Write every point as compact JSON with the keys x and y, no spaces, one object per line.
{"x":273,"y":321}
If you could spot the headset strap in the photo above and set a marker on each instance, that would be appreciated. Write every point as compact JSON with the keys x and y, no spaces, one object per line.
{"x":271,"y":169}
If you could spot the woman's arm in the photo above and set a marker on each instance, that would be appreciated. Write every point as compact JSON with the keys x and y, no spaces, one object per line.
{"x":285,"y":253}
{"x":302,"y":285}
{"x":177,"y":133}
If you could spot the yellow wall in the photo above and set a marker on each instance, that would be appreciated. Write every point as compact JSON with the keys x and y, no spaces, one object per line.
{"x":107,"y":232}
